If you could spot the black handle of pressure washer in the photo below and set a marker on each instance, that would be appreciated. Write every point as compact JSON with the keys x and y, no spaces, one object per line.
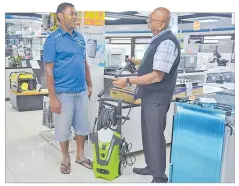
{"x":122,"y":117}
{"x":103,"y":91}
{"x":126,"y":118}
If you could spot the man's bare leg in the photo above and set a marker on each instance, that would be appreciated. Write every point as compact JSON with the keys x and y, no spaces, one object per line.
{"x":80,"y":157}
{"x":66,"y":157}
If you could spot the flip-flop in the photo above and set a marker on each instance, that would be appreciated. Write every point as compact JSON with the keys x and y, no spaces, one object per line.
{"x":82,"y":162}
{"x":65,"y":171}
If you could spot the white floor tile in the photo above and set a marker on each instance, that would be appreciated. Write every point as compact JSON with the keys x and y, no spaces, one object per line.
{"x":47,"y":175}
{"x":133,"y":178}
{"x":29,"y":160}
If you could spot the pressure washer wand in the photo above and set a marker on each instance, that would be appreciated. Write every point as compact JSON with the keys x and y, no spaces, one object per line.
{"x":128,"y":64}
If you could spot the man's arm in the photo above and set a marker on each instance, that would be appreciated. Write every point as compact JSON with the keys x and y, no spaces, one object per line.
{"x":88,"y":79}
{"x":87,"y":67}
{"x":155,"y":76}
{"x":54,"y":102}
{"x":50,"y":80}
{"x":87,"y":74}
{"x":49,"y":57}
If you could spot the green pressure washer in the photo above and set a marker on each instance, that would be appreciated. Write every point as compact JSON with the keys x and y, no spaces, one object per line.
{"x":109,"y":146}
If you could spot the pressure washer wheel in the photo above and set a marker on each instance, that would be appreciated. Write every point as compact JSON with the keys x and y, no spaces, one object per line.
{"x":121,"y":168}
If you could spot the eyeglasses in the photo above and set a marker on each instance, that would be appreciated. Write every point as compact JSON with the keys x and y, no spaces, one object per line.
{"x":149,"y":20}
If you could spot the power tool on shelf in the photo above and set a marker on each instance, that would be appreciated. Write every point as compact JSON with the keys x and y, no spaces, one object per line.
{"x":220,"y":62}
{"x":23,"y":81}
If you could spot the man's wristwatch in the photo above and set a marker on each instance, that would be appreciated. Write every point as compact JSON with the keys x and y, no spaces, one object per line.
{"x":128,"y":84}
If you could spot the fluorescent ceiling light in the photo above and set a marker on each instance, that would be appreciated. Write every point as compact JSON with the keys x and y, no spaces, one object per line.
{"x":111,"y":18}
{"x":145,"y":14}
{"x":182,"y":13}
{"x":217,"y":37}
{"x":120,"y":38}
{"x":209,"y":20}
{"x":210,"y":41}
{"x":203,"y":19}
{"x":117,"y":11}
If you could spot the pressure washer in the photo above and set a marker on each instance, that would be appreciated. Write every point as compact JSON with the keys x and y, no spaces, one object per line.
{"x":109,"y":146}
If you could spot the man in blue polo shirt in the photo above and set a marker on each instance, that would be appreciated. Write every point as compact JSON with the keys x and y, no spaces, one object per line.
{"x":69,"y":84}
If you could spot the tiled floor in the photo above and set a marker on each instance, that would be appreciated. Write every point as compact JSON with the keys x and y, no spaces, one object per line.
{"x":30,"y":158}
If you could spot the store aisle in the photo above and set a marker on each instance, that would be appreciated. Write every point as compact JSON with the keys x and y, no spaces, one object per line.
{"x":30,"y":158}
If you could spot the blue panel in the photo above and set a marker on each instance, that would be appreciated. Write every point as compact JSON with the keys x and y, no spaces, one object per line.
{"x":197,"y":144}
{"x":170,"y":172}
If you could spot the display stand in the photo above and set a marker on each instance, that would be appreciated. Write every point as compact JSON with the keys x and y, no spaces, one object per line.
{"x":27,"y":101}
{"x":49,"y":136}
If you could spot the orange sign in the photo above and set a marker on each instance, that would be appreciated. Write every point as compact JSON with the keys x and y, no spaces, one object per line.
{"x":196,"y":25}
{"x":94,"y":18}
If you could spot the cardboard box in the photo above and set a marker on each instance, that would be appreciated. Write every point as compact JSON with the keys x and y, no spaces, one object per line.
{"x":128,"y":96}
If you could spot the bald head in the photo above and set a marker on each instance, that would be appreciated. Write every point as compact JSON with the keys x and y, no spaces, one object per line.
{"x":162,"y":14}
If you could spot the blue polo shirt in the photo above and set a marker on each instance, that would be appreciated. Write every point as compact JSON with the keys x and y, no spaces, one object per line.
{"x":68,"y":53}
